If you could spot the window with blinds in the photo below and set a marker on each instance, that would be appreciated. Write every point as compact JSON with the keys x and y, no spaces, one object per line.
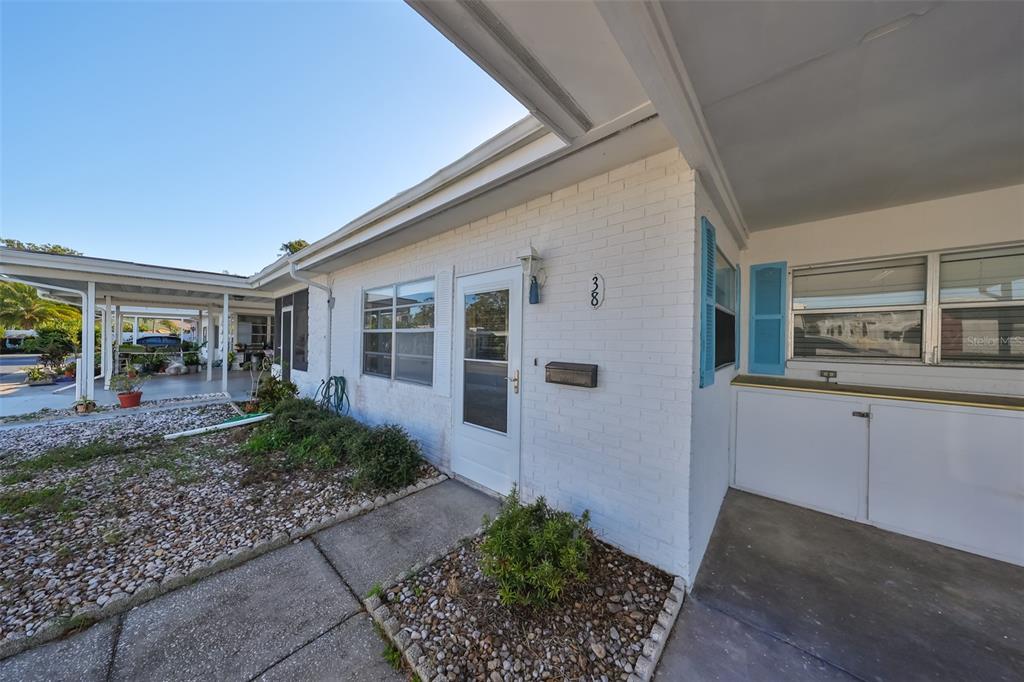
{"x":981,"y":298}
{"x":860,"y":310}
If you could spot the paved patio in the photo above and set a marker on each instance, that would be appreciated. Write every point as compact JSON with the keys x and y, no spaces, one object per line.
{"x":790,"y":594}
{"x":18,"y":398}
{"x":294,"y":613}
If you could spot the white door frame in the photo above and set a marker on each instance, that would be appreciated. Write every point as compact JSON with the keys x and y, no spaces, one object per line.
{"x":473,"y":445}
{"x":286,"y":371}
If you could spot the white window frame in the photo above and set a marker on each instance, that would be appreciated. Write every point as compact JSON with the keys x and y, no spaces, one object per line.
{"x":718,"y":306}
{"x":931,"y":319}
{"x":394,"y":330}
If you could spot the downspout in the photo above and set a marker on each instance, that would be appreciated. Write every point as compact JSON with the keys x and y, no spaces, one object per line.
{"x":79,"y":378}
{"x":293,"y":270}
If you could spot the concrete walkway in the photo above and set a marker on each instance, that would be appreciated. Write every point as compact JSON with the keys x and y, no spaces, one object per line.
{"x":292,"y":614}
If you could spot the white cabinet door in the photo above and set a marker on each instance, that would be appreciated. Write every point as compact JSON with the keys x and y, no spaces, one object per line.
{"x":951,"y":475}
{"x":804,"y":448}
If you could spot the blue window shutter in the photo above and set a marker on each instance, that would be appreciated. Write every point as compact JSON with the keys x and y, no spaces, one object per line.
{"x":767,"y":343}
{"x":707,"y":317}
{"x":736,"y":327}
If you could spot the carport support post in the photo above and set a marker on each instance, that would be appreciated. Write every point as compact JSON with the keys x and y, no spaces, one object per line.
{"x":118,"y":324}
{"x":209,"y":343}
{"x":106,"y":340}
{"x":224,"y":346}
{"x":135,"y":329}
{"x":88,"y":370}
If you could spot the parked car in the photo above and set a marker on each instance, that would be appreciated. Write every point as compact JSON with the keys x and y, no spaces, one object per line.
{"x":164,"y":342}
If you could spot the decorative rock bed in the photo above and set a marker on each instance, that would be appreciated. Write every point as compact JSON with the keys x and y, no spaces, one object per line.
{"x":151,"y":520}
{"x":447,"y":621}
{"x":126,"y":426}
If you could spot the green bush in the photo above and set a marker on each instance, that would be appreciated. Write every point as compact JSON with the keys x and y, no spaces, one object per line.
{"x":385,"y":457}
{"x":534,"y":552}
{"x":305,"y":435}
{"x":273,"y":391}
{"x":301,"y":435}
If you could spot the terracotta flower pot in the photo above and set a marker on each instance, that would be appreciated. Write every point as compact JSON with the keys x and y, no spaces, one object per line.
{"x":130,"y":399}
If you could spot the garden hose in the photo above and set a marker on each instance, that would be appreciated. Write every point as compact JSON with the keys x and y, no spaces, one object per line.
{"x":333,"y":395}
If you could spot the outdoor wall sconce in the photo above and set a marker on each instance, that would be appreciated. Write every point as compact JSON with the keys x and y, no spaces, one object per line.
{"x":533,"y":267}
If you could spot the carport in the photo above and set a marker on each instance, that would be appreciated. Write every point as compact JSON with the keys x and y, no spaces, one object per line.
{"x":105,"y":290}
{"x":789,"y":593}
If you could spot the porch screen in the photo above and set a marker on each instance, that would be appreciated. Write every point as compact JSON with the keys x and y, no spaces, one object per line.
{"x":300,"y":332}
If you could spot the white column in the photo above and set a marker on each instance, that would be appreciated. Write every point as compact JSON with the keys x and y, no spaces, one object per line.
{"x":107,"y":342}
{"x":135,"y":329}
{"x":118,"y":324}
{"x":88,"y":369}
{"x":209,"y":344}
{"x":224,"y":345}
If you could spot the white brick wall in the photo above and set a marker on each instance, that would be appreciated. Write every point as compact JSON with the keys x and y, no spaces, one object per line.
{"x":622,"y":449}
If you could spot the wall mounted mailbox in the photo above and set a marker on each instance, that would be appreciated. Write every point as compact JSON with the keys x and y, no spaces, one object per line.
{"x":571,"y":374}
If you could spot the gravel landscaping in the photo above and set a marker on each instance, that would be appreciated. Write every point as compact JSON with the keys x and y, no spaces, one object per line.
{"x":77,"y":534}
{"x":595,"y":631}
{"x":127,"y":428}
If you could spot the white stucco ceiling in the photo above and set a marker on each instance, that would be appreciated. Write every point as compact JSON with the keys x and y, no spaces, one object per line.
{"x":820,"y":109}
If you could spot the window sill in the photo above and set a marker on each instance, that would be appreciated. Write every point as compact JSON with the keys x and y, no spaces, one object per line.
{"x":891,"y":362}
{"x":1000,"y":402}
{"x":389,"y":380}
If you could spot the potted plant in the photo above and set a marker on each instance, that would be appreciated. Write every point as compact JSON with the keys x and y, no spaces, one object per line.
{"x":191,"y":359}
{"x":38,"y":377}
{"x":127,"y":386}
{"x":84,"y":405}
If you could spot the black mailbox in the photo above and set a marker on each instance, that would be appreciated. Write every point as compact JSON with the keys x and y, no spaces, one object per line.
{"x":571,"y":374}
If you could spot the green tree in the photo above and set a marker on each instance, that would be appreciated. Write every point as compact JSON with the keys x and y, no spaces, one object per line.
{"x":22,"y":308}
{"x":39,"y":248}
{"x":293,"y":246}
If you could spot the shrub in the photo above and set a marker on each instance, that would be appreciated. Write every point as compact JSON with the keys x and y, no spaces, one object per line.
{"x":533,"y":551}
{"x":273,"y":391}
{"x":385,"y":457}
{"x":53,"y":345}
{"x":306,"y":435}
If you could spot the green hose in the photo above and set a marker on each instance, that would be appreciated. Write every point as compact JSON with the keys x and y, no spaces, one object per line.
{"x":333,"y":395}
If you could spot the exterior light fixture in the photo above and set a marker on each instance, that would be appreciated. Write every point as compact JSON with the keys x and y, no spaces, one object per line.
{"x":533,"y":267}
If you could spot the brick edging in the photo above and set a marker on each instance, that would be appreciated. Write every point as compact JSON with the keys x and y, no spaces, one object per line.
{"x":654,"y":644}
{"x":646,"y":662}
{"x":56,"y":628}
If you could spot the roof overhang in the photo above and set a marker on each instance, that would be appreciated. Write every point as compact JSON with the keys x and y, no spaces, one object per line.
{"x":128,"y":283}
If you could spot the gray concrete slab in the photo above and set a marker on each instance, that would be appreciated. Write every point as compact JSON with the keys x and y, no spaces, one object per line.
{"x":82,"y":657}
{"x":876,"y":604}
{"x":708,"y":645}
{"x":376,"y":547}
{"x":18,"y":398}
{"x":351,"y":652}
{"x":236,"y":624}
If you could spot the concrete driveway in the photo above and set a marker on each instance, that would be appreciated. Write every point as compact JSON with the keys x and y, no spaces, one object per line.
{"x":292,"y":614}
{"x":785,"y":593}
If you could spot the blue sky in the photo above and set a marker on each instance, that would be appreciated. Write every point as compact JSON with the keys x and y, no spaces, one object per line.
{"x":203,"y":134}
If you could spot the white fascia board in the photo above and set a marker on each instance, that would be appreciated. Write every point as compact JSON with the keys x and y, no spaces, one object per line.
{"x":502,"y":151}
{"x":646,"y":39}
{"x":454,"y":192}
{"x":83,"y":268}
{"x":473,"y":28}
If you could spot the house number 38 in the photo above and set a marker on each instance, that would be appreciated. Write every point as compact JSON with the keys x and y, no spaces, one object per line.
{"x":596,"y":290}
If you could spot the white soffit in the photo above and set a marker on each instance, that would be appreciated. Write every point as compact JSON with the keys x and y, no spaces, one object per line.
{"x":826,"y":109}
{"x":557,"y":58}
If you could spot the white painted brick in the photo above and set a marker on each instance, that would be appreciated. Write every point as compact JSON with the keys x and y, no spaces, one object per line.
{"x":620,"y":450}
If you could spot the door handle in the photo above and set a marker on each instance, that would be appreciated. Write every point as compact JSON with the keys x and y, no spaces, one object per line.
{"x":862,"y":415}
{"x":515,"y":381}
